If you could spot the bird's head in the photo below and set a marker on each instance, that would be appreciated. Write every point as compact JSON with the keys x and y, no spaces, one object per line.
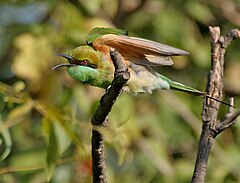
{"x":87,"y":65}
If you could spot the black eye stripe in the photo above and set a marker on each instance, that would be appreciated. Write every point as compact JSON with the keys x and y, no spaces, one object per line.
{"x":92,"y":66}
{"x":84,"y":63}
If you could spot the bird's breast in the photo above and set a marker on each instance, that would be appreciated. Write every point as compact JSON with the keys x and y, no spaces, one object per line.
{"x":144,"y":80}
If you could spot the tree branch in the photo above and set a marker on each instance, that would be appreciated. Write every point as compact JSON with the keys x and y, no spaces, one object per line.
{"x":229,"y":120}
{"x":211,"y":125}
{"x":99,"y":119}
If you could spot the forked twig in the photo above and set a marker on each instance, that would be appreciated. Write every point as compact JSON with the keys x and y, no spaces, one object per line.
{"x":211,"y":125}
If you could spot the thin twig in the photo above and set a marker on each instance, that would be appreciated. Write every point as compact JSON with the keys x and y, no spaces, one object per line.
{"x":99,"y":119}
{"x":228,"y":122}
{"x":211,"y":125}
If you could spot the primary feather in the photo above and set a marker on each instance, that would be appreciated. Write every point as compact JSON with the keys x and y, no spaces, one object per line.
{"x":138,"y":50}
{"x":92,"y":64}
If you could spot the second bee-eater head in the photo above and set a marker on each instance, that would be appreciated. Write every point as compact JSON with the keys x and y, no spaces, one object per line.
{"x":88,"y":66}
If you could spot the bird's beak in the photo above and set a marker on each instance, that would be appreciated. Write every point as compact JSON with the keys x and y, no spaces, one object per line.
{"x":69,"y":58}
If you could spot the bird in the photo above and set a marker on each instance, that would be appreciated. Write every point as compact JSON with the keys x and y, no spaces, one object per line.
{"x":92,"y":64}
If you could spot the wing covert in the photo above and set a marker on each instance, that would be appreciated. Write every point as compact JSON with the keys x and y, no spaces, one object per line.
{"x":140,"y":51}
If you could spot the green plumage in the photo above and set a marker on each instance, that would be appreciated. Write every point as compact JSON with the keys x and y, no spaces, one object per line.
{"x":181,"y":87}
{"x":98,"y":32}
{"x":92,"y":64}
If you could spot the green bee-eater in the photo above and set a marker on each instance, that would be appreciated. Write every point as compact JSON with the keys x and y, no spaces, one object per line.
{"x":92,"y":64}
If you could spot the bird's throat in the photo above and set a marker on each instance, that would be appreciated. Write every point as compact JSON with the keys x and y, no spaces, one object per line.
{"x":90,"y":76}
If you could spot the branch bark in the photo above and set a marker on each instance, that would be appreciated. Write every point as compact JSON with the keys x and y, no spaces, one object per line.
{"x":211,"y":125}
{"x":100,"y":119}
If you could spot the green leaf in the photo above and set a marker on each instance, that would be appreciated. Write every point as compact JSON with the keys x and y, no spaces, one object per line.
{"x":51,"y":113}
{"x":58,"y":141}
{"x":14,"y":93}
{"x":52,"y":151}
{"x":5,"y":143}
{"x":17,"y":115}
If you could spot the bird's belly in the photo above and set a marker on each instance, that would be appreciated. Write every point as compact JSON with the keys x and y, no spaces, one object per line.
{"x":144,"y":80}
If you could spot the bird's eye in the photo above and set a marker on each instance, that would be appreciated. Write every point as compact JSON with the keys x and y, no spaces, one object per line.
{"x":84,"y":62}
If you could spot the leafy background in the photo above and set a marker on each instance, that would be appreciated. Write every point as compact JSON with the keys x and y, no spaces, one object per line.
{"x":45,"y":115}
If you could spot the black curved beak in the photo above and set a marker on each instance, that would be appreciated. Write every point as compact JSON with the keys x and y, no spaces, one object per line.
{"x":70,"y":60}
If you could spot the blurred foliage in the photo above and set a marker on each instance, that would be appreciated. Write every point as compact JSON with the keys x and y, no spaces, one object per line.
{"x":45,"y":115}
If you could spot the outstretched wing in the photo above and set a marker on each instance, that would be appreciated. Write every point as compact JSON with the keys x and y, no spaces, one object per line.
{"x":140,"y":51}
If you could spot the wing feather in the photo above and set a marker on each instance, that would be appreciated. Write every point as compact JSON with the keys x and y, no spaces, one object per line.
{"x":140,"y":51}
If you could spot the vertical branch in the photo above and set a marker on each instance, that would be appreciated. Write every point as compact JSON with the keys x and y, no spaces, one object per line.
{"x":98,"y":155}
{"x":211,"y":125}
{"x":99,"y":119}
{"x":210,"y":107}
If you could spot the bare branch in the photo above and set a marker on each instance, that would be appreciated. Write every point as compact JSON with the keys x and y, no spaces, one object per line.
{"x":99,"y":119}
{"x":229,"y":120}
{"x":211,"y":125}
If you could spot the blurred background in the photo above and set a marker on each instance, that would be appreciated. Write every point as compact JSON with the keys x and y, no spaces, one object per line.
{"x":45,"y":115}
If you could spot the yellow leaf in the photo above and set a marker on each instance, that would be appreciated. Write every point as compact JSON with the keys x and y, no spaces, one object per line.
{"x":17,"y":115}
{"x":32,"y":60}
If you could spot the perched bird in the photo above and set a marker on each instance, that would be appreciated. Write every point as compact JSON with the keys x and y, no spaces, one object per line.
{"x":92,"y":64}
